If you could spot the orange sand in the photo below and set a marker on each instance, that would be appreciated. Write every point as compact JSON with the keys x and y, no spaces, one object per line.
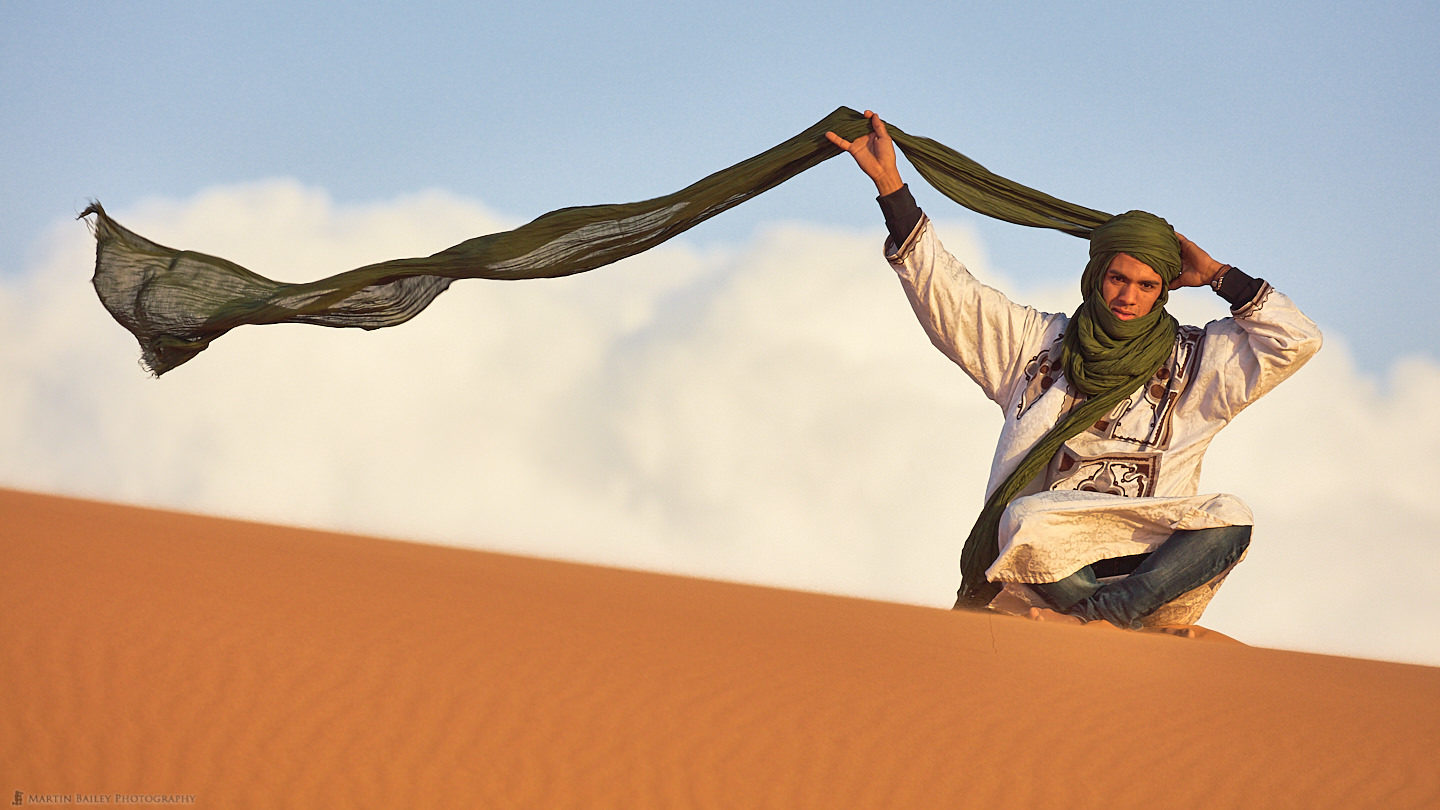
{"x":152,"y":654}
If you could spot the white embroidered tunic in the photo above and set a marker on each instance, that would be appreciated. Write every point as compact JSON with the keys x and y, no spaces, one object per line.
{"x":1127,"y":483}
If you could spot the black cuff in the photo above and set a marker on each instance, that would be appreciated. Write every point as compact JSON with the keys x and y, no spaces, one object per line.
{"x":1238,"y":288}
{"x":901,"y":214}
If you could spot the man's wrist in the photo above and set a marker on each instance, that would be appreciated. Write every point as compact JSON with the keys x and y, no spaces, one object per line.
{"x":1237,"y":287}
{"x":901,"y":213}
{"x":1218,"y":277}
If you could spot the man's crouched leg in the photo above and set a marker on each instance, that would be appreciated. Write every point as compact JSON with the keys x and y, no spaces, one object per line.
{"x":1185,"y":561}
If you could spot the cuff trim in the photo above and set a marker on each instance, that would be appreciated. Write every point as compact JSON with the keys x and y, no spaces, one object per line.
{"x":898,"y":255}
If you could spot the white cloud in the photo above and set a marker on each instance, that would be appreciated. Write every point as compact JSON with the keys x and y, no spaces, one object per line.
{"x":769,"y":413}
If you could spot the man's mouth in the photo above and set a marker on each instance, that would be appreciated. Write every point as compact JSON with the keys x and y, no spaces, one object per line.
{"x":1122,"y":314}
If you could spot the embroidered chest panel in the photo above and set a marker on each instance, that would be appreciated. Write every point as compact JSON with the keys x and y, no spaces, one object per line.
{"x":1143,"y":421}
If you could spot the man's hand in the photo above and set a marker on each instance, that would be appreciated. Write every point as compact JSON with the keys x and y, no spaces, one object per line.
{"x":874,"y":154}
{"x":1196,"y":267}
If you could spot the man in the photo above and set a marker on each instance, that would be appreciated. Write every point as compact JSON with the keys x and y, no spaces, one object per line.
{"x":1092,"y":509}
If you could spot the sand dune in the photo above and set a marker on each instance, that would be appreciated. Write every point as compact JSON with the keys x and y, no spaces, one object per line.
{"x":149,"y":656}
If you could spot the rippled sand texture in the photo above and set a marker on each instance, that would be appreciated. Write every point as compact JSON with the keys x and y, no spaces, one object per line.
{"x":149,"y":652}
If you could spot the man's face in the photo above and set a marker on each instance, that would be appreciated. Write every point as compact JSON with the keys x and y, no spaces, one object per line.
{"x":1130,"y":288}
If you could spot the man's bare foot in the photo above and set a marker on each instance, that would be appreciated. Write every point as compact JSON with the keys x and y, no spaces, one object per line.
{"x":1180,"y":630}
{"x":1040,"y":614}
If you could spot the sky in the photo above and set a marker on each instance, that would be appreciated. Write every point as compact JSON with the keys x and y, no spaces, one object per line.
{"x":753,"y":400}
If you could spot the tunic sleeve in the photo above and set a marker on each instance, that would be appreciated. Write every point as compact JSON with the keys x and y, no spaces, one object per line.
{"x":1246,"y":355}
{"x":976,"y":326}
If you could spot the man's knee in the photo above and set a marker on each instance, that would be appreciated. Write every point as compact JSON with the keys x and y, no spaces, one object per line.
{"x":1237,"y":541}
{"x":1224,"y":542}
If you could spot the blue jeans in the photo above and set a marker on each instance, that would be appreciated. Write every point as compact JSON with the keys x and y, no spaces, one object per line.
{"x":1185,"y":561}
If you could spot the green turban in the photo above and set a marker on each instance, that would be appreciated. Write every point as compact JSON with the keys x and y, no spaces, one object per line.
{"x":1142,"y":235}
{"x":1101,"y":351}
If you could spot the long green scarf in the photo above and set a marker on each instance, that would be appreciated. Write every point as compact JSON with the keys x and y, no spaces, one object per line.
{"x":175,"y":302}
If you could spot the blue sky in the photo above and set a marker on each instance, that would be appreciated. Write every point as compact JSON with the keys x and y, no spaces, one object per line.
{"x":304,"y":140}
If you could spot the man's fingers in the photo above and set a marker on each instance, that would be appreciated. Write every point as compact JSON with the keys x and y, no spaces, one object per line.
{"x":838,"y":141}
{"x":879,"y":126}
